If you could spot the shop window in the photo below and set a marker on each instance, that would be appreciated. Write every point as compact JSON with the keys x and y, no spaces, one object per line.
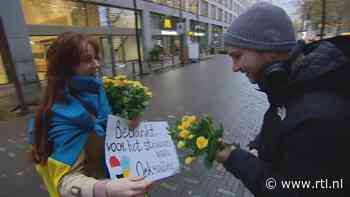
{"x":72,"y":13}
{"x":3,"y":75}
{"x":40,"y":45}
{"x":124,"y":48}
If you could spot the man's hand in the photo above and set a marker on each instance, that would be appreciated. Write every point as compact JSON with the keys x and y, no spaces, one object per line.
{"x":222,"y":155}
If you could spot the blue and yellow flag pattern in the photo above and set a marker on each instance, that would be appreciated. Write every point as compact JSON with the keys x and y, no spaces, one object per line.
{"x":70,"y":125}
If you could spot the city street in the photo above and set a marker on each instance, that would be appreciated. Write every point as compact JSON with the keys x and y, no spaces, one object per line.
{"x":208,"y":87}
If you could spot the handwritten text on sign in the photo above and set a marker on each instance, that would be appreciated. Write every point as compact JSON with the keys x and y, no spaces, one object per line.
{"x":145,"y":151}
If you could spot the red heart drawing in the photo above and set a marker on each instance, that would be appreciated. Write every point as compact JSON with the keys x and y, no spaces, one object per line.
{"x":114,"y":161}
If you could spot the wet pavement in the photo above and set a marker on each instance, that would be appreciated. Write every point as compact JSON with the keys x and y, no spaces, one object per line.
{"x":208,"y":87}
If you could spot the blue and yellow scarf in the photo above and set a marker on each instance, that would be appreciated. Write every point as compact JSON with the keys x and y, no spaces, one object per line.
{"x":70,"y":125}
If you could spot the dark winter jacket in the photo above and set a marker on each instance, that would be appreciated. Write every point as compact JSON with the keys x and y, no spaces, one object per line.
{"x":306,"y":131}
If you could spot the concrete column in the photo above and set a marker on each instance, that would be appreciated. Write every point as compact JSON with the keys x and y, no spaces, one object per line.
{"x":20,"y":49}
{"x":146,"y":33}
{"x":188,"y":28}
{"x":210,"y":34}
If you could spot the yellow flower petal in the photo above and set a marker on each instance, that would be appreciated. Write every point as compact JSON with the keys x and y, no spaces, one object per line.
{"x":184,"y":134}
{"x":107,"y":82}
{"x":120,"y":77}
{"x":193,"y":118}
{"x":119,"y":83}
{"x":126,"y":173}
{"x":181,"y":144}
{"x":189,"y":160}
{"x":149,"y":93}
{"x":201,"y":142}
{"x":184,"y":119}
{"x":186,"y":124}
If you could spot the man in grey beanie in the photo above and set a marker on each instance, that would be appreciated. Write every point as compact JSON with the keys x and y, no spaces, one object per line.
{"x":301,"y":148}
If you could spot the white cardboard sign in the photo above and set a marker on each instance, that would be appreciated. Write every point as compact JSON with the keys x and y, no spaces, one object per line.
{"x":145,"y":151}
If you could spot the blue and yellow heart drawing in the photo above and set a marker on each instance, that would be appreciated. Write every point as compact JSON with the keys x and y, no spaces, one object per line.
{"x":120,"y":166}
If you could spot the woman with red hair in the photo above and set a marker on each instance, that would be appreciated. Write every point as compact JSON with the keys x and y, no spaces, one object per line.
{"x":67,"y":133}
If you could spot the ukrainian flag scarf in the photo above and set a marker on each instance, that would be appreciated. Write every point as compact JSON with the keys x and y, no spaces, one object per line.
{"x":70,"y":125}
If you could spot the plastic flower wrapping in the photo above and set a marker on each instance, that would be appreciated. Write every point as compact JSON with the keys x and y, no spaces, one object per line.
{"x":198,"y":137}
{"x":127,"y":98}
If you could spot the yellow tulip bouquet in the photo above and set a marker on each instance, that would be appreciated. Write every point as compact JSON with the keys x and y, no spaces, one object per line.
{"x":127,"y":98}
{"x":198,"y":136}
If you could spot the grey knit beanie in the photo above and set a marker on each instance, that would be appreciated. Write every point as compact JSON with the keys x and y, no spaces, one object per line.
{"x":263,"y":27}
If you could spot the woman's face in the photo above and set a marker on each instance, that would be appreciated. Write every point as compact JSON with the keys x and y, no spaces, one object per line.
{"x":88,"y":64}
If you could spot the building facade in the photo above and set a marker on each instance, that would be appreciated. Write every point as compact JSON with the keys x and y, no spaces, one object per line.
{"x":30,"y":26}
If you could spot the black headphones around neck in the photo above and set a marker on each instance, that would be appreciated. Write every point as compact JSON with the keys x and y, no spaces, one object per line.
{"x":275,"y":75}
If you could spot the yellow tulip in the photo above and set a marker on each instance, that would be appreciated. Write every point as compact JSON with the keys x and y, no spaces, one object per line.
{"x":189,"y":160}
{"x":184,"y":134}
{"x":135,"y":83}
{"x":186,"y":125}
{"x":118,"y":83}
{"x":201,"y":142}
{"x":145,"y":88}
{"x":107,"y":82}
{"x":180,"y":127}
{"x":181,"y":144}
{"x":120,"y":77}
{"x":184,"y":119}
{"x":149,"y":93}
{"x":193,"y":119}
{"x":188,"y":120}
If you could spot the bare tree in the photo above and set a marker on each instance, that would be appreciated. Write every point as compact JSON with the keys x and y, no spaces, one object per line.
{"x":326,"y":14}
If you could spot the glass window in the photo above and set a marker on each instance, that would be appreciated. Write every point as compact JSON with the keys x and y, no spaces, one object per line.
{"x":72,"y":13}
{"x":157,"y":21}
{"x":216,"y":36}
{"x":204,"y":8}
{"x":3,"y":75}
{"x":219,"y":14}
{"x":193,"y":6}
{"x":117,"y":17}
{"x":170,"y":45}
{"x":213,"y":12}
{"x":39,"y":45}
{"x":170,"y":3}
{"x":124,"y":48}
{"x":55,"y":12}
{"x":235,"y":8}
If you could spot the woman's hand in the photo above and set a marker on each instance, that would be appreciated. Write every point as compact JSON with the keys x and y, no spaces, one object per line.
{"x":128,"y":187}
{"x":134,"y":122}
